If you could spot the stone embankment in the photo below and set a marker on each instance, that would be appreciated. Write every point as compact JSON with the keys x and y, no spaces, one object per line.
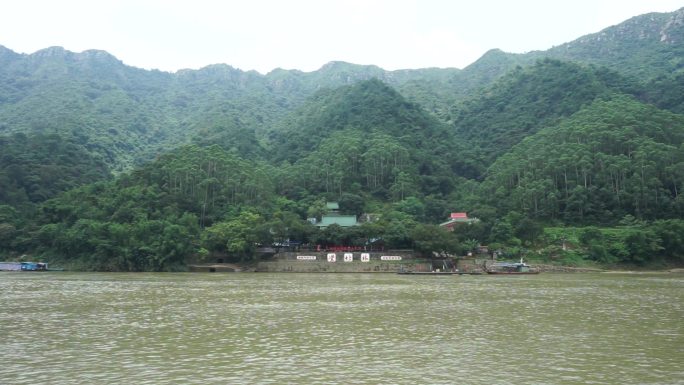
{"x":389,"y":261}
{"x":565,"y":269}
{"x":216,"y":267}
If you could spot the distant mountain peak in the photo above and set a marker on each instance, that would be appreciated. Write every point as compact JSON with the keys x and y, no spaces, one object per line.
{"x":97,"y":54}
{"x":335,"y":64}
{"x":86,"y":57}
{"x":655,"y":27}
{"x":50,"y":52}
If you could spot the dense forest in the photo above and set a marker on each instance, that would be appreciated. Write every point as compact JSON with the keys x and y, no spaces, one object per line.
{"x":573,"y":155}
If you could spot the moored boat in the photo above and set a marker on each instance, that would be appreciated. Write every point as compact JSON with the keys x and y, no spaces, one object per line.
{"x":24,"y":266}
{"x":517,"y":268}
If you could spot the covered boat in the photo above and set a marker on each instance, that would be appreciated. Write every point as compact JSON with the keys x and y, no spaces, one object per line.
{"x":23,"y":266}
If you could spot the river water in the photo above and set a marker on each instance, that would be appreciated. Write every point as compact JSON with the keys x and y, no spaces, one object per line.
{"x":252,"y":328}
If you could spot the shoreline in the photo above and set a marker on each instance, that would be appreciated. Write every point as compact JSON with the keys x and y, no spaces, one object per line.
{"x":665,"y":271}
{"x":394,"y":267}
{"x":627,"y":270}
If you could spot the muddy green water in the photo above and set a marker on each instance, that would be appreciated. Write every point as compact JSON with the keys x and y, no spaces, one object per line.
{"x":82,"y":328}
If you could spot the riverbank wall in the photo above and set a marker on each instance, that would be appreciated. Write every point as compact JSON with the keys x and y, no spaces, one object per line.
{"x":345,"y":262}
{"x":565,"y":269}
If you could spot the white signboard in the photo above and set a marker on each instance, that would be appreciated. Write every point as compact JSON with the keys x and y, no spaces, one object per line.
{"x":332,"y":257}
{"x":306,"y":257}
{"x":365,"y":257}
{"x":348,"y":257}
{"x":390,"y":258}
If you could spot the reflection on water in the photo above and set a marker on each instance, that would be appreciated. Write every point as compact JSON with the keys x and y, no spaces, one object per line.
{"x":66,"y":328}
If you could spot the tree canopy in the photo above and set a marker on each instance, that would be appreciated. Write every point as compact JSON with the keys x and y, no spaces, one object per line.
{"x":574,"y":153}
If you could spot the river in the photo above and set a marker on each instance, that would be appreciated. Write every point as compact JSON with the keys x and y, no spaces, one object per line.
{"x":253,"y":328}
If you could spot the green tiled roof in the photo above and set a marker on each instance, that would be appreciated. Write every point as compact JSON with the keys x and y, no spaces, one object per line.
{"x":342,"y":220}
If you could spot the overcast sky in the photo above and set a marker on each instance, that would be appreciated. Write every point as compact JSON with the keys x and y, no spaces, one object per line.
{"x":305,"y":34}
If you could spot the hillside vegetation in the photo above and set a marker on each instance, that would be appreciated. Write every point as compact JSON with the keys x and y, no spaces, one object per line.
{"x":573,"y":155}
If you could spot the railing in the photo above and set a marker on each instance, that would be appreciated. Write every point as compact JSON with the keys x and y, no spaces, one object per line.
{"x":342,"y":248}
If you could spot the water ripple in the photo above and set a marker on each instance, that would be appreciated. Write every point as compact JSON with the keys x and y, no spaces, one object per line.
{"x":340,"y":329}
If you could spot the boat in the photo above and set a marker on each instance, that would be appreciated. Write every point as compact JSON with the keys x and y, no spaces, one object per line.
{"x":410,"y":272}
{"x":25,"y":266}
{"x":516,"y":268}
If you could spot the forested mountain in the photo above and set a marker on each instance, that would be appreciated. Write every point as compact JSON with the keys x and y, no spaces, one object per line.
{"x":131,"y":115}
{"x":366,"y":138}
{"x":527,"y":99}
{"x":128,"y":115}
{"x":644,"y":47}
{"x":109,"y":167}
{"x":370,"y":107}
{"x":36,"y":168}
{"x":614,"y":157}
{"x":89,"y":96}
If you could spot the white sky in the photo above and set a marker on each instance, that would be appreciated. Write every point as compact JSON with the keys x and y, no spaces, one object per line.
{"x":305,"y":34}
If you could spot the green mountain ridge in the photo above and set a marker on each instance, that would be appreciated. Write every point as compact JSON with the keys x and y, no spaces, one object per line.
{"x":526,"y":99}
{"x":368,"y":139}
{"x":637,"y":46}
{"x":643,"y":47}
{"x":366,"y":106}
{"x":216,"y":160}
{"x":133,"y":114}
